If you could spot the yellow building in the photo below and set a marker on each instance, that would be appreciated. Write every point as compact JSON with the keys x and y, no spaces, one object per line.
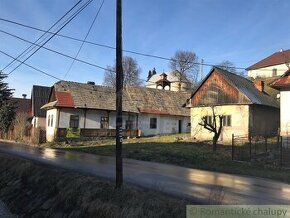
{"x":244,"y":105}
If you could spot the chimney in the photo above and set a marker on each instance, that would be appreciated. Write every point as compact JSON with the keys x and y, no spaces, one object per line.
{"x":24,"y":96}
{"x":149,"y":75}
{"x":259,"y":84}
{"x":91,"y":83}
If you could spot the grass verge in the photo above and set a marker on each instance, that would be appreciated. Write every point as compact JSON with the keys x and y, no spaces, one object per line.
{"x":32,"y":190}
{"x":172,"y":150}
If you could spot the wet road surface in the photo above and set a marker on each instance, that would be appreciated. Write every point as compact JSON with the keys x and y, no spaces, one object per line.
{"x":197,"y":185}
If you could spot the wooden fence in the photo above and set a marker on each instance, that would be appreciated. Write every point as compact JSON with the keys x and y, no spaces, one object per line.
{"x":61,"y":133}
{"x":28,"y":135}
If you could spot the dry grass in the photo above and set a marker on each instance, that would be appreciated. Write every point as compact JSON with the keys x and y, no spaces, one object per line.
{"x":32,"y":190}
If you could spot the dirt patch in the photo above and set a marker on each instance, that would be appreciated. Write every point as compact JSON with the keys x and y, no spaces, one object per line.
{"x":34,"y":190}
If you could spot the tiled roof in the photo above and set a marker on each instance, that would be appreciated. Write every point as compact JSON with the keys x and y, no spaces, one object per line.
{"x":39,"y":97}
{"x":282,"y":82}
{"x":274,"y":59}
{"x":268,"y":89}
{"x":135,"y":99}
{"x":246,"y":87}
{"x":162,"y":101}
{"x":64,"y":99}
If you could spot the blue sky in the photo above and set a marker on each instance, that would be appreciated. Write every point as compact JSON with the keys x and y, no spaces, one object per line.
{"x":242,"y":31}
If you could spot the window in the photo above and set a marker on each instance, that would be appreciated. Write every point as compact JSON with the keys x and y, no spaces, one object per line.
{"x":227,"y":120}
{"x":153,"y":123}
{"x":274,"y":71}
{"x":104,"y":122}
{"x":74,"y":121}
{"x":208,"y":119}
{"x":188,"y":124}
{"x":51,"y":121}
{"x":48,"y":120}
{"x":129,"y":124}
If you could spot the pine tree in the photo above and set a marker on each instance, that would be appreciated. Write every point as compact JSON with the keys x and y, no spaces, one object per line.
{"x":7,"y":107}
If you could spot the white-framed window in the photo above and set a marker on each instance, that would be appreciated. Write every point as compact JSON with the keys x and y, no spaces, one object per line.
{"x":51,"y":120}
{"x":208,"y":119}
{"x":48,"y":121}
{"x":104,"y":122}
{"x":227,"y":120}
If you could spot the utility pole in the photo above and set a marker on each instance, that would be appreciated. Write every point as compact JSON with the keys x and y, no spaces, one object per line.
{"x":201,"y":70}
{"x":119,"y":93}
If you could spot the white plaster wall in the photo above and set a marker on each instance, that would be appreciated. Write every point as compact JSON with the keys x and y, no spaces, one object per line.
{"x":267,"y":71}
{"x":165,"y":124}
{"x":65,"y":117}
{"x":50,"y":130}
{"x":285,"y":112}
{"x":93,"y":118}
{"x":173,"y":87}
{"x":39,"y":122}
{"x":239,"y":121}
{"x":150,"y":85}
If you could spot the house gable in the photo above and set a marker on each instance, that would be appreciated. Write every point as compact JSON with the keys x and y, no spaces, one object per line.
{"x":283,"y":82}
{"x":39,"y":97}
{"x":216,"y":90}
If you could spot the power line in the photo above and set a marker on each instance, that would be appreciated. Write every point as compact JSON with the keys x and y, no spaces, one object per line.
{"x":41,"y":71}
{"x":45,"y":32}
{"x":85,"y":38}
{"x":54,"y":51}
{"x":109,"y":47}
{"x":68,"y":21}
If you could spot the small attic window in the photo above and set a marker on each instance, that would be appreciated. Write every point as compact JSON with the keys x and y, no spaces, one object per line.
{"x":274,"y":72}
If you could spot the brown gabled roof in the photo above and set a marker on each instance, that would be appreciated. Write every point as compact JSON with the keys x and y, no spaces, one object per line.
{"x":282,"y":82}
{"x":135,"y":99}
{"x":22,"y":105}
{"x":39,"y":97}
{"x":280,"y":57}
{"x":244,"y":86}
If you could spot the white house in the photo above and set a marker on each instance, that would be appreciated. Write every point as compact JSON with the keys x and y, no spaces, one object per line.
{"x":88,"y":111}
{"x":274,"y":65}
{"x":167,"y":81}
{"x":283,"y":84}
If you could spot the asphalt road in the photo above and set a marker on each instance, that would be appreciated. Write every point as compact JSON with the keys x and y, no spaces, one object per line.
{"x":197,"y":185}
{"x":4,"y":212}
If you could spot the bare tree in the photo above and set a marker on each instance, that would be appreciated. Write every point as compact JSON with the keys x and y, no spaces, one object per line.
{"x":185,"y":65}
{"x":19,"y":126}
{"x":131,"y":73}
{"x":214,"y":125}
{"x":230,"y":66}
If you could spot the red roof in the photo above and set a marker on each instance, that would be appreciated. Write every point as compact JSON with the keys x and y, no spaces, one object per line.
{"x":64,"y":99}
{"x":153,"y":111}
{"x":282,"y":82}
{"x":274,"y":59}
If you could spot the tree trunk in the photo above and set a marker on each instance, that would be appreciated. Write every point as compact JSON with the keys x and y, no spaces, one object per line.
{"x":214,"y":143}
